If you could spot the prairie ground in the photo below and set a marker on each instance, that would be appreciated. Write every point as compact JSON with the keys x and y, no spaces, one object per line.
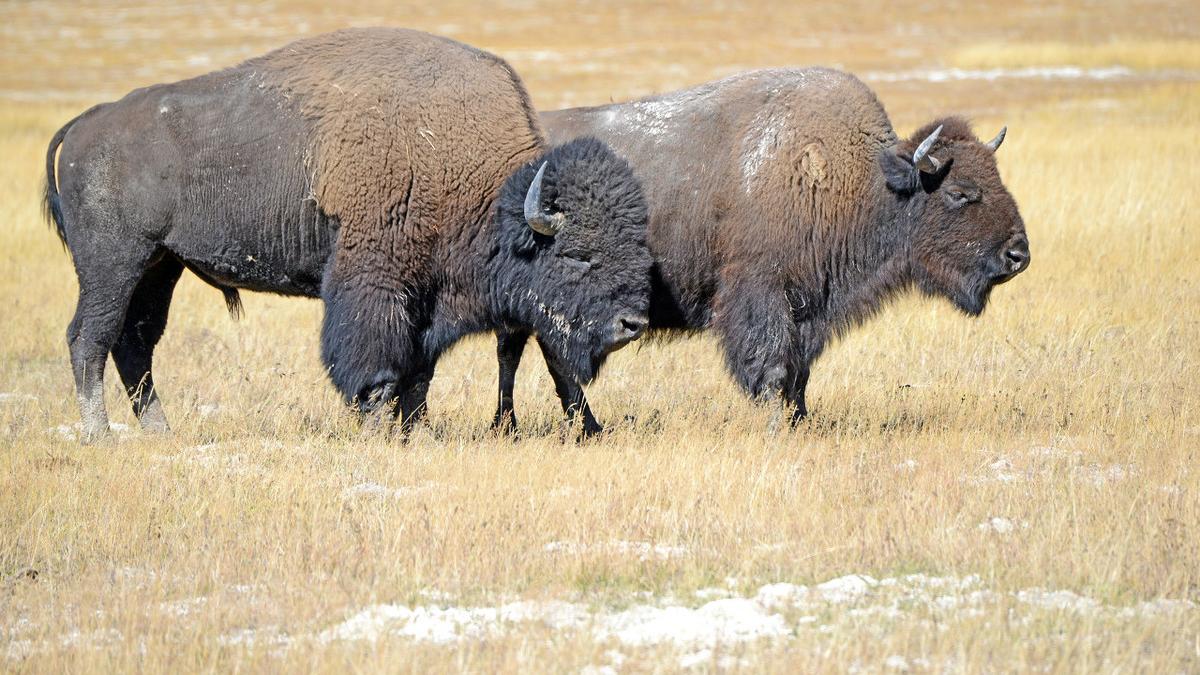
{"x":1016,"y":492}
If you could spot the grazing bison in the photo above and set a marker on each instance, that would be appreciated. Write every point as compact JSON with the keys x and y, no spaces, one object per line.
{"x":784,"y":210}
{"x":392,"y":172}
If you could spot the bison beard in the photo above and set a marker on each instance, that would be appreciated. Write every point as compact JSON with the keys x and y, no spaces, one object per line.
{"x":785,"y":210}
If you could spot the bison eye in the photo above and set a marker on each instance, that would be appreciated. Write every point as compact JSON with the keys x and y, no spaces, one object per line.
{"x":957,"y":197}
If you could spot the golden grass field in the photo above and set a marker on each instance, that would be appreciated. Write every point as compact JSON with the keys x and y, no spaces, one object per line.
{"x":1022,"y":490}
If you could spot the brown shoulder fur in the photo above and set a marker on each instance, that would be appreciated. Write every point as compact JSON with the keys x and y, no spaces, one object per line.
{"x":415,"y":136}
{"x":808,"y":159}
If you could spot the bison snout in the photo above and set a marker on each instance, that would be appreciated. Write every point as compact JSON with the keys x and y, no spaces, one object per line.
{"x":1017,"y":255}
{"x":628,"y":327}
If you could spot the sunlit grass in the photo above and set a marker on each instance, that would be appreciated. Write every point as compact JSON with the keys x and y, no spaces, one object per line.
{"x":1138,"y":55}
{"x":1070,"y":409}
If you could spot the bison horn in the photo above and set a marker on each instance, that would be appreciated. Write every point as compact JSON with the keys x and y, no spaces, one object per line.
{"x":994,"y":144}
{"x":922,"y":159}
{"x":540,"y":222}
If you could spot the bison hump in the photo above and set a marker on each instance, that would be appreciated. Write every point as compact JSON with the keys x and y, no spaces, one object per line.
{"x":414,"y":134}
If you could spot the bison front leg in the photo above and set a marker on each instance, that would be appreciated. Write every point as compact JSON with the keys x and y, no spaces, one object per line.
{"x":571,"y":396}
{"x":369,"y":344}
{"x":810,"y":337}
{"x":509,"y":347}
{"x":758,"y":334}
{"x":377,"y":406}
{"x":793,"y":393}
{"x":414,"y":400}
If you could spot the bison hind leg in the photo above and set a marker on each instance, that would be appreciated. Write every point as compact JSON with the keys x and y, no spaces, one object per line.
{"x":133,"y":353}
{"x":108,"y":276}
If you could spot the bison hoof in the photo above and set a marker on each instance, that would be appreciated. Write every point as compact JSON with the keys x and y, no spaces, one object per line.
{"x":574,"y":430}
{"x":798,"y":416}
{"x":383,"y":394}
{"x":92,"y":434}
{"x":153,"y":420}
{"x":505,"y":424}
{"x":772,"y":382}
{"x":591,"y":428}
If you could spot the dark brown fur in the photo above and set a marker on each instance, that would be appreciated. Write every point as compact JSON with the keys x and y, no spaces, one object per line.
{"x":785,"y":210}
{"x":383,"y":149}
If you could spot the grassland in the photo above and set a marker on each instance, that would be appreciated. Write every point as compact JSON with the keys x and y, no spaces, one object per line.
{"x":1021,"y":489}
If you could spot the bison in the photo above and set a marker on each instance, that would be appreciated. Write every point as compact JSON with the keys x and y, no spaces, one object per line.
{"x":403,"y":177}
{"x":784,"y":210}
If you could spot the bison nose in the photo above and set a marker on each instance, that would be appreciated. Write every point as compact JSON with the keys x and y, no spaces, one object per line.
{"x":628,"y":327}
{"x":1017,"y":255}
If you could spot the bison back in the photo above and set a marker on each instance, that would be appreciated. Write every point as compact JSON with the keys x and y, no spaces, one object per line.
{"x":775,"y":165}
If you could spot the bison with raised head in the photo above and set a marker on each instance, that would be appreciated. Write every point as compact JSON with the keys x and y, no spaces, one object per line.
{"x":401,"y":176}
{"x":785,"y":210}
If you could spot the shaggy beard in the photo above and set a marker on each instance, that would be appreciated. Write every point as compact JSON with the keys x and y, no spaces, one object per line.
{"x":574,"y":356}
{"x":972,"y":296}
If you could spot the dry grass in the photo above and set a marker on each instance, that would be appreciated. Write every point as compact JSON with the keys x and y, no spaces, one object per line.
{"x":1150,"y":55}
{"x":1071,"y":410}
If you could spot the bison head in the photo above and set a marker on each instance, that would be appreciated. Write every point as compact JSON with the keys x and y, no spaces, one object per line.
{"x":968,"y":236}
{"x":573,"y":264}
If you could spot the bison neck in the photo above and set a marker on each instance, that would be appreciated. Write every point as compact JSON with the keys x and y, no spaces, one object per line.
{"x":875,"y":267}
{"x":461,"y":303}
{"x":482,"y":286}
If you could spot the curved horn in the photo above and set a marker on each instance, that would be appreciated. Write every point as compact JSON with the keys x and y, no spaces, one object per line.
{"x":922,"y":159}
{"x":994,"y":144}
{"x":540,"y":222}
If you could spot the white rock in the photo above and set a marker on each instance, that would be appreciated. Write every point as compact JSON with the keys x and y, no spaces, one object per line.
{"x":182,"y":608}
{"x":644,"y":551}
{"x":695,"y":659}
{"x":781,"y":595}
{"x":1058,"y":600}
{"x":997,"y":525}
{"x":713,"y":593}
{"x":849,"y":588}
{"x":718,"y":622}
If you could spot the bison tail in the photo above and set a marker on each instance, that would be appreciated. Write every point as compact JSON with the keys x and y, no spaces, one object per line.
{"x":52,"y":203}
{"x":233,"y":302}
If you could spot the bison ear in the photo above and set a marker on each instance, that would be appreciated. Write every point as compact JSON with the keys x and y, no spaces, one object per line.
{"x":899,"y":172}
